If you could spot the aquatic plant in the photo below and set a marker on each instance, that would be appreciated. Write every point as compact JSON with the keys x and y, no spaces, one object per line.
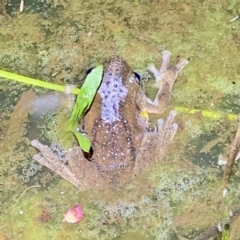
{"x":83,"y":102}
{"x":35,"y":82}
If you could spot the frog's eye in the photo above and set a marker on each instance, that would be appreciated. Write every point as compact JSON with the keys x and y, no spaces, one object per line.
{"x":137,"y":76}
{"x":89,"y":70}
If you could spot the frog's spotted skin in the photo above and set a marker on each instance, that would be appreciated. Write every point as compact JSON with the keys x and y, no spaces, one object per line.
{"x":122,"y":147}
{"x":115,"y":126}
{"x":112,"y":90}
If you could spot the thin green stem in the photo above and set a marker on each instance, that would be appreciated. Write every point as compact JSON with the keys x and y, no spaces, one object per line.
{"x":35,"y":82}
{"x":206,"y":113}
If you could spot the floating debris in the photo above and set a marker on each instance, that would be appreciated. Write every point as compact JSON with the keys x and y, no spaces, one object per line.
{"x":74,"y":214}
{"x":222,"y":160}
{"x":225,"y":191}
{"x":21,"y":6}
{"x":237,"y":157}
{"x":233,"y":19}
{"x":207,"y":148}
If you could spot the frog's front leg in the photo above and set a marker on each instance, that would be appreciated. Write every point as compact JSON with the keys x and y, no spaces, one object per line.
{"x":165,"y":78}
{"x":78,"y":170}
{"x":154,"y":144}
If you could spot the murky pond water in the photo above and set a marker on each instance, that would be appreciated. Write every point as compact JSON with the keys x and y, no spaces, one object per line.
{"x":57,"y":41}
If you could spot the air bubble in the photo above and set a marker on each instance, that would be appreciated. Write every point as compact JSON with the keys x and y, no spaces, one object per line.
{"x":5,"y":60}
{"x":106,"y":212}
{"x":79,"y":231}
{"x":131,"y":149}
{"x":25,"y":179}
{"x":186,"y":180}
{"x":152,"y":128}
{"x":32,"y":171}
{"x":179,"y":185}
{"x":88,"y":225}
{"x":10,"y":171}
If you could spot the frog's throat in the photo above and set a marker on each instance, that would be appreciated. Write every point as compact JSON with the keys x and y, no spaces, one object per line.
{"x":112,"y":92}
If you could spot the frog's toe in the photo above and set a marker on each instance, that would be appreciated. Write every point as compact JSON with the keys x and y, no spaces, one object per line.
{"x":167,"y":129}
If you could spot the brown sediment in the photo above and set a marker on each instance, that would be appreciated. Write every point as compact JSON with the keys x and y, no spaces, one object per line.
{"x":18,"y":119}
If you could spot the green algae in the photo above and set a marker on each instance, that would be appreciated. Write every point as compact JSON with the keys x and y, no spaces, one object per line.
{"x":58,"y":41}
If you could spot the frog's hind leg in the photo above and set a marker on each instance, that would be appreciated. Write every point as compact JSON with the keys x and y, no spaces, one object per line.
{"x":165,"y":78}
{"x":78,"y":170}
{"x":154,"y":144}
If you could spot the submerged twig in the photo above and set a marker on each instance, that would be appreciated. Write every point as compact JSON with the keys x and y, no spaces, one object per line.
{"x":232,"y":156}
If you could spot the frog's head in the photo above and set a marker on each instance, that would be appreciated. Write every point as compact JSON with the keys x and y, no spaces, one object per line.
{"x":117,"y":69}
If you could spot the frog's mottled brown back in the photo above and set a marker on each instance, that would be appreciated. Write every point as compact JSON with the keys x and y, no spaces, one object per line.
{"x":112,"y":122}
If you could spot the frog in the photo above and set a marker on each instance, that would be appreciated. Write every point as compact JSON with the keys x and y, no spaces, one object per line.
{"x":124,"y":143}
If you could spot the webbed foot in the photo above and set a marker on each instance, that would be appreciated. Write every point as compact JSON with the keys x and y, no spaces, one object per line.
{"x":154,"y":144}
